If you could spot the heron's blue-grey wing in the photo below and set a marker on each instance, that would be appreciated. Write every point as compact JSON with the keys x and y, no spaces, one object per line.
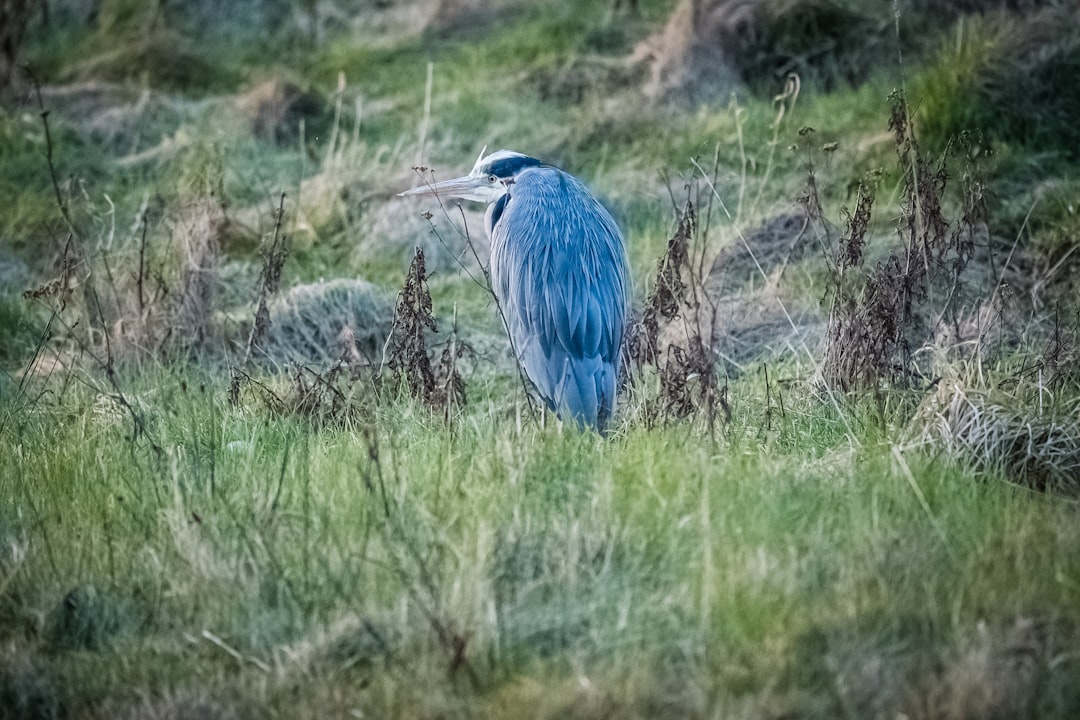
{"x":559,"y":269}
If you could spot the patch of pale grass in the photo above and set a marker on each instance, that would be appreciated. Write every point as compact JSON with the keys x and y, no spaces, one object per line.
{"x":1002,"y":437}
{"x":325,"y":321}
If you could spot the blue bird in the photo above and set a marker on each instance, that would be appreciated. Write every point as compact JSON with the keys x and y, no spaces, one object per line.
{"x":560,"y":274}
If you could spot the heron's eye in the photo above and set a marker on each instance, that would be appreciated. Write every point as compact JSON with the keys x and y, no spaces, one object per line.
{"x":492,"y":179}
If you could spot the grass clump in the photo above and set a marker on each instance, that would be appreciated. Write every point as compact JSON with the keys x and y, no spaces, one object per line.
{"x":1009,"y":78}
{"x":1042,"y":453}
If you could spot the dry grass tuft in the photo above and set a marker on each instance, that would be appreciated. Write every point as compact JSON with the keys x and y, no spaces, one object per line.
{"x":326,"y":321}
{"x":1003,"y":438}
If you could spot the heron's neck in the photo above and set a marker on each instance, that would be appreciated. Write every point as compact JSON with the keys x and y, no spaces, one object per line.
{"x":494,"y":212}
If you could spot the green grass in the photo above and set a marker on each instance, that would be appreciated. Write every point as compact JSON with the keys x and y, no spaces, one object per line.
{"x":668,"y":570}
{"x":166,"y":553}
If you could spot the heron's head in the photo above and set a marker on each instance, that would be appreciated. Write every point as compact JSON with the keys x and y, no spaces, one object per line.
{"x":487,"y":182}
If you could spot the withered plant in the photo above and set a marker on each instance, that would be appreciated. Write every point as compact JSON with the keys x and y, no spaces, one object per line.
{"x":79,"y":338}
{"x":686,"y":367}
{"x":878,"y":319}
{"x":273,"y":260}
{"x":335,"y":396}
{"x":326,"y":398}
{"x":412,"y":319}
{"x":450,"y":391}
{"x":440,"y":386}
{"x":667,"y":295}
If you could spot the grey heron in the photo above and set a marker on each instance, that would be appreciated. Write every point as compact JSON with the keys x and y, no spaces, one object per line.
{"x":560,"y":274}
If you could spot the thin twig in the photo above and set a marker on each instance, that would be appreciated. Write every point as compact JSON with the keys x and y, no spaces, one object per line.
{"x":267,"y":282}
{"x":44,"y":114}
{"x":142,"y":270}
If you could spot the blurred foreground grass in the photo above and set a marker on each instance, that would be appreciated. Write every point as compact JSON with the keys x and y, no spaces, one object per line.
{"x":258,"y":567}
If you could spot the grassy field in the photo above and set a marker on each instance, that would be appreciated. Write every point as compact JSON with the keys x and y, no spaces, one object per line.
{"x":858,"y":500}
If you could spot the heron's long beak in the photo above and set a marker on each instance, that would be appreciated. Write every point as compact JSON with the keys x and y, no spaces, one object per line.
{"x":466,"y":188}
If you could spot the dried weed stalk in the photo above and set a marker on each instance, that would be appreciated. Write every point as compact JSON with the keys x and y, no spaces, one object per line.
{"x":336,"y":396}
{"x":58,"y":288}
{"x":858,"y":351}
{"x":273,"y":260}
{"x":438,"y":387}
{"x":273,"y":256}
{"x":687,"y":375}
{"x":79,"y":333}
{"x":450,"y":392}
{"x":326,"y":398}
{"x":874,"y":329}
{"x":668,"y":293}
{"x":412,"y":319}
